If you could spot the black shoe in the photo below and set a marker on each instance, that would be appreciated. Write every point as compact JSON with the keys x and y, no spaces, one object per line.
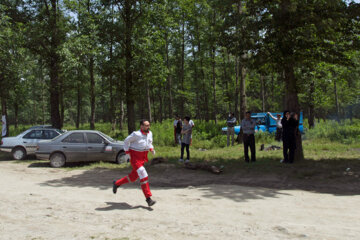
{"x":114,"y":187}
{"x":150,"y":202}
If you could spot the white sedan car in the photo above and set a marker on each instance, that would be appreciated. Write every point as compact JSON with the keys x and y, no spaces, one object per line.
{"x":25,"y":143}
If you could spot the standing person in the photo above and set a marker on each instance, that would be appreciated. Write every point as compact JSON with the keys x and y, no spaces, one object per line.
{"x":177,"y":129}
{"x":290,"y":125}
{"x":278,"y":134}
{"x":186,"y":139}
{"x":137,"y":145}
{"x":231,"y":121}
{"x":248,"y":126}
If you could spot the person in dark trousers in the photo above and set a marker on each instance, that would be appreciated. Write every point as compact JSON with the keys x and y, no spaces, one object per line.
{"x":248,"y":127}
{"x":231,"y":121}
{"x":289,"y":124}
{"x":186,"y":140}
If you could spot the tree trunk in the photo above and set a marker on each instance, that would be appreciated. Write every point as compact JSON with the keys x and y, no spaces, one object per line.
{"x":130,"y":95}
{"x":43,"y":89}
{"x":262,"y":93}
{"x":292,"y":104}
{"x":62,"y":104}
{"x":78,"y":112}
{"x":182,"y":69}
{"x":92,"y":93}
{"x":169,"y":78}
{"x":311,"y":104}
{"x":237,"y":88}
{"x":54,"y":69}
{"x":160,"y":107}
{"x":242,"y":99}
{"x":148,"y":100}
{"x":225,"y":64}
{"x":112,"y":105}
{"x":336,"y":102}
{"x":213,"y":50}
{"x":16,"y":111}
{"x":242,"y":92}
{"x":121,"y":120}
{"x":204,"y":87}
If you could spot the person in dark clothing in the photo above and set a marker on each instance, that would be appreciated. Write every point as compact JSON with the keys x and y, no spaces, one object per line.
{"x":289,"y":125}
{"x":248,"y":127}
{"x":186,"y":140}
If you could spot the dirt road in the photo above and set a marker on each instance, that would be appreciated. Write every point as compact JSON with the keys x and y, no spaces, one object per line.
{"x":37,"y":202}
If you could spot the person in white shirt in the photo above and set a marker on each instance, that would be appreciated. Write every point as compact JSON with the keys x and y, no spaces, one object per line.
{"x":278,"y":134}
{"x":136,"y":146}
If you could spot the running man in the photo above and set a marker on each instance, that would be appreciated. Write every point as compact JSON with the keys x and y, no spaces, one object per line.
{"x":136,"y":146}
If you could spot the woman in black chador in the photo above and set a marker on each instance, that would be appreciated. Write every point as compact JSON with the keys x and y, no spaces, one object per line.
{"x":290,"y":125}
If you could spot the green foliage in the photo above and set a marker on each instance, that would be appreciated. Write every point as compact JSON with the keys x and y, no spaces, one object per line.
{"x":185,"y":52}
{"x":343,"y":132}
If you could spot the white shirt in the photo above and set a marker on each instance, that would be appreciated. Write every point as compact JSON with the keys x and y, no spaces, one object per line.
{"x":192,"y":124}
{"x":278,"y":121}
{"x":139,"y":142}
{"x":248,"y":126}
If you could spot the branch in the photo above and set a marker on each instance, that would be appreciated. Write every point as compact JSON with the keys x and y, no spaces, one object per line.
{"x":47,"y":7}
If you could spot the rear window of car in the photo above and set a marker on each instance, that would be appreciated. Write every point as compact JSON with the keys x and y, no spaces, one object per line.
{"x":94,"y":138}
{"x":74,"y":138}
{"x":107,"y":137}
{"x":35,"y":134}
{"x":50,"y":134}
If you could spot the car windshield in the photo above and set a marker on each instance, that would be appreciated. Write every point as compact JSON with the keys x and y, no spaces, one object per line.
{"x":107,"y":137}
{"x":259,"y":120}
{"x":23,"y":133}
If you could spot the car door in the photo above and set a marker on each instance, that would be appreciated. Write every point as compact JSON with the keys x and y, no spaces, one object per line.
{"x":74,"y":147}
{"x":31,"y":139}
{"x":98,"y":149}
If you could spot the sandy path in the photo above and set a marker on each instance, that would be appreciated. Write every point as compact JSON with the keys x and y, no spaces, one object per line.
{"x":45,"y":203}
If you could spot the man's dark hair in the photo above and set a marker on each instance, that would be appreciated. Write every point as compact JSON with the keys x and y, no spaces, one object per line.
{"x":187,"y":118}
{"x":142,"y":121}
{"x":248,"y":112}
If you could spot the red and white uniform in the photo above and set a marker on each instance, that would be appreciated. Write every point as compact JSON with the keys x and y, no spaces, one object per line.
{"x":137,"y":145}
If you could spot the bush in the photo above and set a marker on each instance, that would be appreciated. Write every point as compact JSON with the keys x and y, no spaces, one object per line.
{"x":343,"y":132}
{"x":264,"y":137}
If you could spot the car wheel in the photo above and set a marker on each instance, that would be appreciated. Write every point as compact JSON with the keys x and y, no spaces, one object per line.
{"x":121,"y":158}
{"x":18,"y":153}
{"x":57,"y":160}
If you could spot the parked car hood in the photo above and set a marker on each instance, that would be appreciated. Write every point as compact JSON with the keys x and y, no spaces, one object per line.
{"x":9,"y":138}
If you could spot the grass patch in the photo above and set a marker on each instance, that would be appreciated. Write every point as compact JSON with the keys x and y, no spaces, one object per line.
{"x":327,"y":154}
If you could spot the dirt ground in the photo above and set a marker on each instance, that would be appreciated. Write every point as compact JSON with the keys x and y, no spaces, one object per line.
{"x":38,"y":202}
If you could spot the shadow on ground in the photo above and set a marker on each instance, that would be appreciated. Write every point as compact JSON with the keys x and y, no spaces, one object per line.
{"x":240,"y":183}
{"x":121,"y":206}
